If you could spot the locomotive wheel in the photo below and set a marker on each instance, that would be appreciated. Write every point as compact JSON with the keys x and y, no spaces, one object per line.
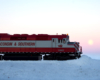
{"x":1,"y":57}
{"x":22,"y":58}
{"x":72,"y":57}
{"x":48,"y":58}
{"x":62,"y":57}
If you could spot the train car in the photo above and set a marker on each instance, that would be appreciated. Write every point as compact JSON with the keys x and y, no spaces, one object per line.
{"x":32,"y":47}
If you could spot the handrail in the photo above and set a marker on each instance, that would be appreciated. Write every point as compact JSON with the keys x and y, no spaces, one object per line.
{"x":80,"y":49}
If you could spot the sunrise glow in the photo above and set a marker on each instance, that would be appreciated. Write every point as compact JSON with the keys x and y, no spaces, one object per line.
{"x":90,"y":42}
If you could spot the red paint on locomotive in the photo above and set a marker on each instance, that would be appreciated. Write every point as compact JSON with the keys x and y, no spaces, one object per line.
{"x":22,"y":43}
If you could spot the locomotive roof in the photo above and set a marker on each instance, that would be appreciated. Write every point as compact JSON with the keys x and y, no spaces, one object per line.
{"x":35,"y":36}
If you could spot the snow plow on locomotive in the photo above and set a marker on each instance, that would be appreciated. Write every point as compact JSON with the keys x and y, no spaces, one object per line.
{"x":36,"y":47}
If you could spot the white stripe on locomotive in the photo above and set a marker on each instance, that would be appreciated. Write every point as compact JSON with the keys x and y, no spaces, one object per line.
{"x":38,"y":44}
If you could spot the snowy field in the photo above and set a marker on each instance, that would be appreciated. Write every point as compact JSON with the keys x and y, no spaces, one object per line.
{"x":84,"y":68}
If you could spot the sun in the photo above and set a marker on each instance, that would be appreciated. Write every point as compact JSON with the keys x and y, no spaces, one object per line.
{"x":90,"y":42}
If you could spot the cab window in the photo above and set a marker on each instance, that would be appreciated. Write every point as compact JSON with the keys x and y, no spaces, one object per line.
{"x":64,"y":41}
{"x":53,"y":40}
{"x":61,"y":40}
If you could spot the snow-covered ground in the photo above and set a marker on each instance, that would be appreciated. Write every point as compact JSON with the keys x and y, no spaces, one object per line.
{"x":93,"y":56}
{"x":84,"y":68}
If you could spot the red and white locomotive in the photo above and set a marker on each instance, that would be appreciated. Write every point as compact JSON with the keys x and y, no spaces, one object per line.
{"x":24,"y":46}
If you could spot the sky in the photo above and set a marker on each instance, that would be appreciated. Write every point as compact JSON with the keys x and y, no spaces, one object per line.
{"x":79,"y":18}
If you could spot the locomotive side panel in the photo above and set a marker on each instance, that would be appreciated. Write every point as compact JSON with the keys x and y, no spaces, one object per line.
{"x":43,"y":46}
{"x":27,"y":46}
{"x":37,"y":43}
{"x":17,"y":46}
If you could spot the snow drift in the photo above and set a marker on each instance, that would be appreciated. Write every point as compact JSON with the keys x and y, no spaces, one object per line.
{"x":84,"y":68}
